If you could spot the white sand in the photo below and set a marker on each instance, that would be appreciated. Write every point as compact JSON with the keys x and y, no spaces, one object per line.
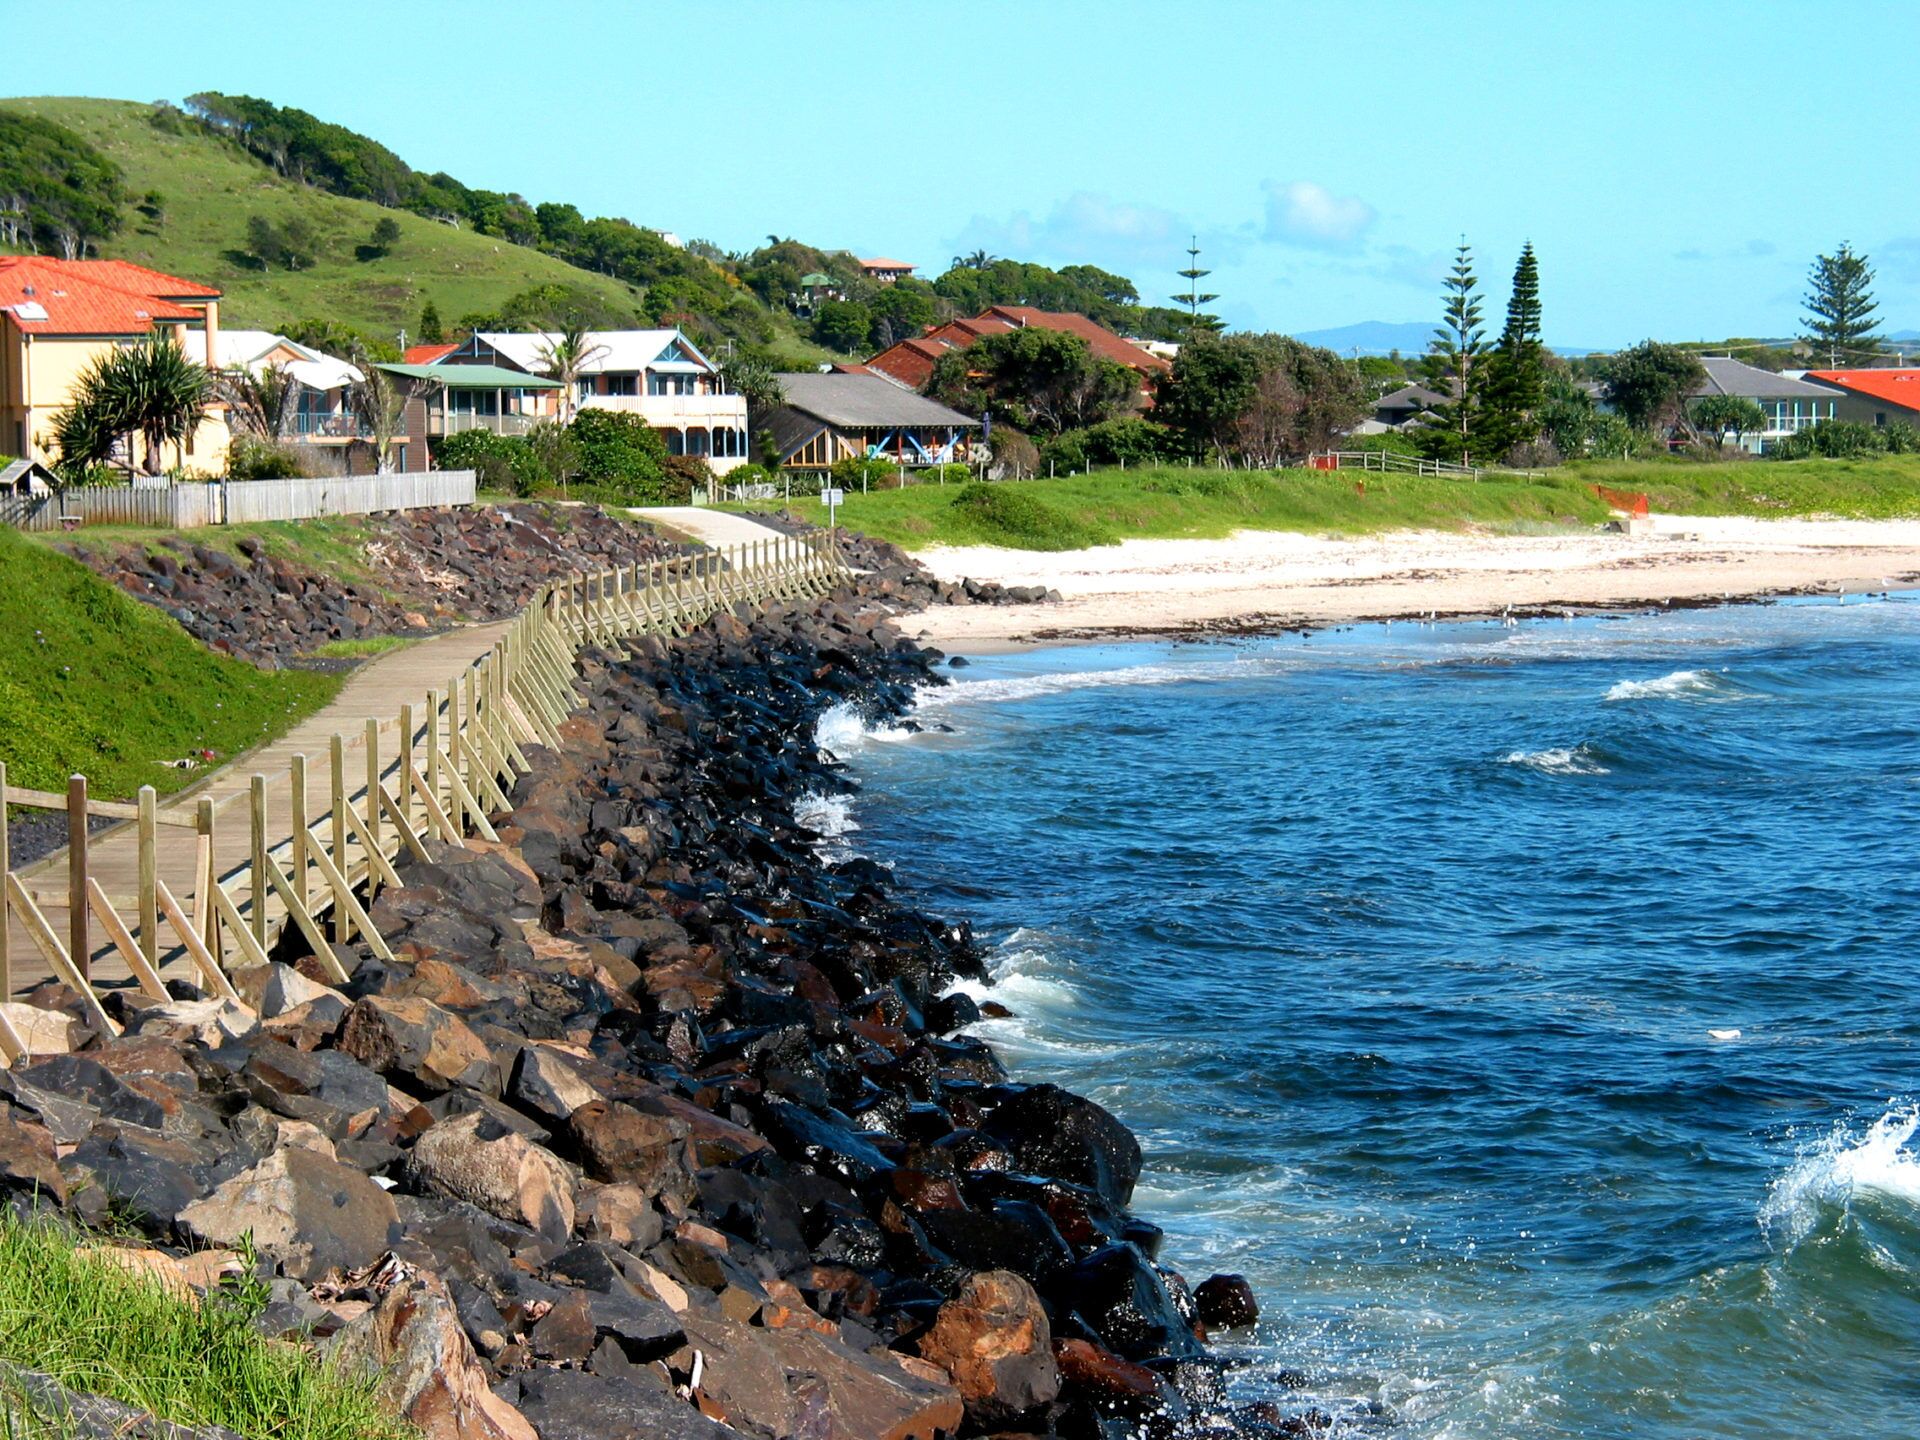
{"x":1274,"y":578}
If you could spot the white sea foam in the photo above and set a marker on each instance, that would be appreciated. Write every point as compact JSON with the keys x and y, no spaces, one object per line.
{"x":842,"y":730}
{"x":1842,"y":1166}
{"x":1680,"y":685}
{"x":1578,"y":760}
{"x":831,"y":816}
{"x":1029,"y":687}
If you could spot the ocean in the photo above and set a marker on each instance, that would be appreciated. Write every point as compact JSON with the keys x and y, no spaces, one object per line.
{"x":1528,"y":1010}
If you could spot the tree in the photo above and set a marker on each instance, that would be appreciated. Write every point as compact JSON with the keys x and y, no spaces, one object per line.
{"x":57,"y":191}
{"x":978,"y":260}
{"x":1724,"y":415}
{"x":1259,"y":400}
{"x":1042,"y":380}
{"x":1453,"y":363}
{"x":621,"y":454}
{"x":151,"y":389}
{"x":565,"y":358}
{"x":261,"y":405}
{"x":386,"y":233}
{"x":901,"y":311}
{"x":1516,"y":372}
{"x":1649,"y":384}
{"x":379,"y":399}
{"x":754,"y":376}
{"x":843,"y":325}
{"x":1193,"y":299}
{"x":1840,"y":307}
{"x":290,"y":244}
{"x":432,"y":330}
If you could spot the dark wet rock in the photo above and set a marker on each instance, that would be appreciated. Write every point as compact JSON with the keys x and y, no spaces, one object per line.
{"x":1226,"y":1302}
{"x":1053,"y":1132}
{"x":1123,"y":1300}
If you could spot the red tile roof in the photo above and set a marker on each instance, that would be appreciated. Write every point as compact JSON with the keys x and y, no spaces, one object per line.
{"x":1102,"y":341}
{"x":427,"y":354}
{"x":882,"y":263}
{"x":1897,"y":387}
{"x":88,"y":297}
{"x":125,"y":275}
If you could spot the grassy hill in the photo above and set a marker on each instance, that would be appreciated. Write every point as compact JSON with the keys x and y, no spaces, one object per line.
{"x":210,"y":190}
{"x":93,"y":681}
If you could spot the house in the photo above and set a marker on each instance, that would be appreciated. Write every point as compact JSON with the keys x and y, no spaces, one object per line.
{"x":58,"y":316}
{"x":1873,"y":397}
{"x":446,"y":399}
{"x":845,"y":415}
{"x":911,"y":362}
{"x":322,"y":417}
{"x":1790,"y":405}
{"x":883,"y":271}
{"x":1403,"y":408}
{"x":659,"y":375}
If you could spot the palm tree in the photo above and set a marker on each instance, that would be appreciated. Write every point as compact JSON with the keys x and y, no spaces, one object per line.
{"x":565,"y":358}
{"x":261,"y":404}
{"x":978,"y":260}
{"x":152,"y":389}
{"x":380,"y":401}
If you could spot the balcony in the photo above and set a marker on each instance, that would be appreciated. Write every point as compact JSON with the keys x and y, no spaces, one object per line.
{"x":331,"y":425}
{"x":455,"y":422}
{"x":676,"y":412}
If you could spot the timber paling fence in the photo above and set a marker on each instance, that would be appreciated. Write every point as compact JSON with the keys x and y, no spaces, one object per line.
{"x":1391,"y":462}
{"x":436,"y":771}
{"x":236,"y":502}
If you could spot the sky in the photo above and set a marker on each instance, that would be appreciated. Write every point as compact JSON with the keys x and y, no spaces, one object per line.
{"x":1677,"y":167}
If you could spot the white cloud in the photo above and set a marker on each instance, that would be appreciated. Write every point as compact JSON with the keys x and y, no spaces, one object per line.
{"x":1301,"y":212}
{"x":1088,"y":228}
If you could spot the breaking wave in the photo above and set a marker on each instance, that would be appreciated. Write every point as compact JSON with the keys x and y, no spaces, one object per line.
{"x":1680,"y":685}
{"x":1841,"y":1168}
{"x":1579,"y":760}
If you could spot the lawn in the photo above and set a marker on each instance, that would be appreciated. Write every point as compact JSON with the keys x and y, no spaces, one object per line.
{"x":99,"y":1330}
{"x":1107,"y":506}
{"x":93,"y":681}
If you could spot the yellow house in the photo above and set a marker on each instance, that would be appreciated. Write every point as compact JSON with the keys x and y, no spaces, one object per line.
{"x":56,"y":316}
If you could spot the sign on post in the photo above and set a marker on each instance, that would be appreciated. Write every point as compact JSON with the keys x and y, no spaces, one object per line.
{"x":833,"y":497}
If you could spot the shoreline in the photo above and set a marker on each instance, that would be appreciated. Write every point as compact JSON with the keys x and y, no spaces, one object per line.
{"x":1258,"y":582}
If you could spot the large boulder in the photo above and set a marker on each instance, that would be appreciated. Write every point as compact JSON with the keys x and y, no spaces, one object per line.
{"x":1122,"y":1299}
{"x":423,"y":1366}
{"x":418,"y":1046}
{"x":477,"y":1159}
{"x":994,"y":1340}
{"x":309,"y":1213}
{"x":619,"y":1144}
{"x":1053,"y":1132}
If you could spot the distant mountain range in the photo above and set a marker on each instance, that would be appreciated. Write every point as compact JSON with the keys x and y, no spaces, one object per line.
{"x":1378,"y":337}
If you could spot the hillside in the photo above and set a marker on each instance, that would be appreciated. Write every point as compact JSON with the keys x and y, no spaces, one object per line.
{"x":210,"y":190}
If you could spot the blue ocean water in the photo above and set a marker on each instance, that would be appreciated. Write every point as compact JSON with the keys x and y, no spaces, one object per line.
{"x":1531,"y":1012}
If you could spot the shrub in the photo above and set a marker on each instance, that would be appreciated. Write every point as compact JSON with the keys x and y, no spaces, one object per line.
{"x":251,"y":458}
{"x":1901,"y":438}
{"x":865,"y":473}
{"x":1007,"y":515}
{"x":686,"y":474}
{"x":622,"y":457}
{"x":750,"y":474}
{"x":1213,"y":484}
{"x":1128,"y":440}
{"x":1831,"y":439}
{"x":1387,"y":442}
{"x":498,"y":461}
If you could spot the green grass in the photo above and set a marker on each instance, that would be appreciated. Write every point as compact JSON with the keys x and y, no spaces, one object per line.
{"x":335,"y":544}
{"x":93,"y":681}
{"x":211,"y":189}
{"x":1107,"y":506}
{"x":99,"y":1330}
{"x":1110,"y":505}
{"x":1884,"y":487}
{"x":354,"y":649}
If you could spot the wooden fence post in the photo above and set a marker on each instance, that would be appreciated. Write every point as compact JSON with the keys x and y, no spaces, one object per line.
{"x":79,"y":945}
{"x":405,"y":778}
{"x":260,"y":888}
{"x":206,"y":875}
{"x":373,"y":788}
{"x":297,"y":857}
{"x":337,"y":787}
{"x":6,"y":910}
{"x":149,"y":886}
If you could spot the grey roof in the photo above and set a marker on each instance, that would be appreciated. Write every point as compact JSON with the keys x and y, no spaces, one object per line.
{"x":27,"y":477}
{"x":1726,"y":376}
{"x":1410,"y":397}
{"x":865,"y":402}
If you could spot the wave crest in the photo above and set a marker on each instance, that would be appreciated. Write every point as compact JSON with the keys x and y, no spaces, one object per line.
{"x":1577,"y":760}
{"x":1680,"y":685}
{"x":1840,"y":1168}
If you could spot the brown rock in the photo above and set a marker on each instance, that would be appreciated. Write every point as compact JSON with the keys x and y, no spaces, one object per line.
{"x":622,"y":1214}
{"x":1105,"y":1374}
{"x":413,"y":1342}
{"x":994,"y":1340}
{"x":27,"y":1160}
{"x":310,"y":1213}
{"x":416,"y":1042}
{"x":619,"y":1143}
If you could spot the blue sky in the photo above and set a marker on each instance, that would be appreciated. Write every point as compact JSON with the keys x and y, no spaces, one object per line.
{"x":1676,"y":166}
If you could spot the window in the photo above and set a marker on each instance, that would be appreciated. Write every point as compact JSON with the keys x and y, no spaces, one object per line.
{"x":584,"y":386}
{"x":1879,"y":419}
{"x":623,"y":385}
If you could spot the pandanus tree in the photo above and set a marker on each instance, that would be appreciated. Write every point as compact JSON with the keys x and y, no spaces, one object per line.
{"x":379,"y":399}
{"x":565,"y":358}
{"x":151,"y":390}
{"x":261,"y":404}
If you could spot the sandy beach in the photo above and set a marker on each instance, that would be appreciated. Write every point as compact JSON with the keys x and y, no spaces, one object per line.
{"x":1275,"y":579}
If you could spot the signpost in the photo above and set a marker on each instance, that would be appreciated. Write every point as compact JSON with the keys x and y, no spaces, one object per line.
{"x":832,"y":496}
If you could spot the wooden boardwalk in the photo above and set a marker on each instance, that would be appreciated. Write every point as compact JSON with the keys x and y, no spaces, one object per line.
{"x":376,"y":691}
{"x":424,"y":742}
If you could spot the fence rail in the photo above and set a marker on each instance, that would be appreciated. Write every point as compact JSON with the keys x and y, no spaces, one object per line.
{"x":236,"y":502}
{"x":1386,"y":461}
{"x":438,"y":770}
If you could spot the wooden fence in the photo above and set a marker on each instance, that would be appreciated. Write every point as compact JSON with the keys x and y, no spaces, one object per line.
{"x":236,"y":502}
{"x":438,"y":770}
{"x":1389,"y":462}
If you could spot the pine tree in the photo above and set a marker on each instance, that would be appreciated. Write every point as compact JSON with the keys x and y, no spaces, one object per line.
{"x":432,"y":330}
{"x":1193,"y":299}
{"x":1516,"y":372}
{"x":1454,"y":364}
{"x":1840,"y":308}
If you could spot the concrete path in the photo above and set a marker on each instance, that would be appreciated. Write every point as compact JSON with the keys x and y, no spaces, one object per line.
{"x":375,"y":691}
{"x":709,"y":527}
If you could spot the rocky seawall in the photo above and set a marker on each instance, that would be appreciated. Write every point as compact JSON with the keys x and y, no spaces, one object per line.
{"x":663,"y":1122}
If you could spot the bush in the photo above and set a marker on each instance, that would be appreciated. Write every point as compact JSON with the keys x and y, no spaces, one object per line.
{"x":498,"y":461}
{"x":1832,"y":440}
{"x":750,"y":474}
{"x":1387,"y":442}
{"x":1125,"y":441}
{"x":1008,"y":515}
{"x":1212,"y":484}
{"x":1901,"y":438}
{"x":251,"y":458}
{"x":866,"y":473}
{"x":622,"y":457}
{"x":686,"y":474}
